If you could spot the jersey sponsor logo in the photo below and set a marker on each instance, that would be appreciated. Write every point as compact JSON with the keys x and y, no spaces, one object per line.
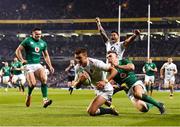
{"x":113,"y":49}
{"x":123,"y":75}
{"x":37,"y":49}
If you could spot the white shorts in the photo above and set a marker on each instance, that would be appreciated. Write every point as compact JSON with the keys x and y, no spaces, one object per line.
{"x":169,"y":81}
{"x":5,"y":79}
{"x":149,"y":78}
{"x":19,"y":77}
{"x":130,"y":92}
{"x":106,"y":93}
{"x":32,"y":67}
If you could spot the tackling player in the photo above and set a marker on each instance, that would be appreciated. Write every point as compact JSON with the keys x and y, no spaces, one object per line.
{"x":135,"y":89}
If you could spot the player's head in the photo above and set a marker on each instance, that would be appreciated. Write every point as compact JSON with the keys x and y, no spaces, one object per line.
{"x":170,"y":60}
{"x":6,"y":63}
{"x":15,"y":59}
{"x":114,"y":36}
{"x":81,"y":56}
{"x":112,"y":56}
{"x":72,"y":62}
{"x":37,"y":33}
{"x":149,"y":60}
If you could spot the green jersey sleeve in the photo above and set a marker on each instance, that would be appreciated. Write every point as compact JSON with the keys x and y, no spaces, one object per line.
{"x":24,"y":42}
{"x":45,"y":46}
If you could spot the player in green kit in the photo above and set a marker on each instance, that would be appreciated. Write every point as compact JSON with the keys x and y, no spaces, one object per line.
{"x":18,"y":77}
{"x":34,"y":48}
{"x":135,"y":89}
{"x":6,"y":73}
{"x":149,"y":69}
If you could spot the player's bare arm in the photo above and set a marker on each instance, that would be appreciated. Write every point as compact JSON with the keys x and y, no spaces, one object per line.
{"x":131,"y":39}
{"x":48,"y":61}
{"x":101,"y":30}
{"x":155,"y":69}
{"x":19,"y":54}
{"x":112,"y":73}
{"x":175,"y":71}
{"x":162,"y":72}
{"x":144,"y":71}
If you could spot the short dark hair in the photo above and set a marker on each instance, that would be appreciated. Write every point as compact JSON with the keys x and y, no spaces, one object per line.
{"x":111,"y":51}
{"x":80,"y":50}
{"x":36,"y":29}
{"x":115,"y":32}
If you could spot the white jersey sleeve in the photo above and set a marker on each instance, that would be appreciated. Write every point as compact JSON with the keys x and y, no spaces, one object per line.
{"x":99,"y":64}
{"x":118,"y":47}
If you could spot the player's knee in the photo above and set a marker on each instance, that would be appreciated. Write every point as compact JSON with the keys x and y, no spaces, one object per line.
{"x":32,"y":83}
{"x":138,"y":95}
{"x":91,"y":112}
{"x":43,"y":80}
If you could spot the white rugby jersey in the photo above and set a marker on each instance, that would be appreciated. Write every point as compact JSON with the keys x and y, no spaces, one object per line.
{"x":169,"y":69}
{"x":118,"y":47}
{"x":94,"y":68}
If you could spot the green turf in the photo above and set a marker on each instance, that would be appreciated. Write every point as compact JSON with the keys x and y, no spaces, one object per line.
{"x":70,"y":110}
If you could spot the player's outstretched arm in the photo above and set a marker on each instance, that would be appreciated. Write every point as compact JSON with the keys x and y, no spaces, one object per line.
{"x":128,"y":67}
{"x":131,"y":39}
{"x":101,"y":30}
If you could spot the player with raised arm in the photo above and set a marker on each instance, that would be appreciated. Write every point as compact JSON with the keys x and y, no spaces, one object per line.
{"x":135,"y":88}
{"x":149,"y":69}
{"x":112,"y":43}
{"x":94,"y":68}
{"x":34,"y":48}
{"x":168,"y":72}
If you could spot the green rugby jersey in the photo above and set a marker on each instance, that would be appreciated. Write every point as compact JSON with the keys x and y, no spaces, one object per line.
{"x":33,"y":49}
{"x":17,"y":64}
{"x":124,"y":76}
{"x":6,"y":71}
{"x":147,"y":68}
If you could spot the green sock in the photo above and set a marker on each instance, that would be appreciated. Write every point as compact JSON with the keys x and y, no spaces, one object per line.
{"x":149,"y":106}
{"x":44,"y":90}
{"x":150,"y":100}
{"x":30,"y":89}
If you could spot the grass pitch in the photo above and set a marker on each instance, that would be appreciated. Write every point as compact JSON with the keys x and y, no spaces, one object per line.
{"x":70,"y":110}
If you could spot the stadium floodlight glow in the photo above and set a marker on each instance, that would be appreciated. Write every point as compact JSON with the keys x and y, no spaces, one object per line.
{"x":75,"y":34}
{"x":149,"y":22}
{"x":177,"y":21}
{"x":21,"y":35}
{"x":46,"y":34}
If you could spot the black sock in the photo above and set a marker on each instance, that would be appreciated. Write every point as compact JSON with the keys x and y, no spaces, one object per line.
{"x":104,"y":111}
